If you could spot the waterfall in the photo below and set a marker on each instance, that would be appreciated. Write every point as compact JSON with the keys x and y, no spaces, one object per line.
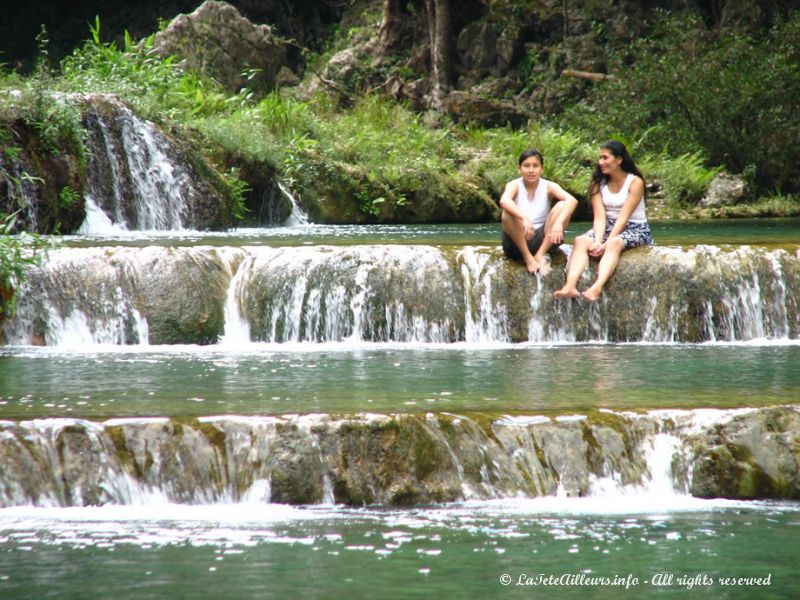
{"x":97,"y":222}
{"x":147,"y":188}
{"x":393,"y":293}
{"x":658,"y":480}
{"x":297,"y":217}
{"x":396,"y":459}
{"x":368,"y":293}
{"x":79,"y":298}
{"x":123,"y":296}
{"x":139,"y":178}
{"x":237,"y":330}
{"x":486,"y":319}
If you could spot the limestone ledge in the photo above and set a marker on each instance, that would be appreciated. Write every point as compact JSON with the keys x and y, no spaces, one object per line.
{"x":398,"y":459}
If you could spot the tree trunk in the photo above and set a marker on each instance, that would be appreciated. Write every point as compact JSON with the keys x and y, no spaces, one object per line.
{"x":439,"y":26}
{"x":391,"y":30}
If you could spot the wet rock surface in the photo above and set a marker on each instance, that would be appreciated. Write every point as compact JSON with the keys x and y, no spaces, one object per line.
{"x":397,"y":460}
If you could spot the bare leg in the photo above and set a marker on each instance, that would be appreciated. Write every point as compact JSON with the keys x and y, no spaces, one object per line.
{"x":606,"y":268}
{"x":541,"y":254}
{"x":577,"y":265}
{"x":516,"y":232}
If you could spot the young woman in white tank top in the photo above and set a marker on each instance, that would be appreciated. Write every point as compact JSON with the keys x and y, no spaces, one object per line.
{"x":530,"y":226}
{"x":613,"y":202}
{"x":620,"y":221}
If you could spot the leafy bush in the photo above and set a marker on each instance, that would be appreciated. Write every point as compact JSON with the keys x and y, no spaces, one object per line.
{"x":34,"y":101}
{"x":17,"y":254}
{"x":152,"y":84}
{"x":684,"y":179}
{"x":730,"y":96}
{"x":567,"y":156}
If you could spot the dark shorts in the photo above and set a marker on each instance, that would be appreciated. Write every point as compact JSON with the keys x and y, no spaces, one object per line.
{"x":510,"y":248}
{"x":634,"y":234}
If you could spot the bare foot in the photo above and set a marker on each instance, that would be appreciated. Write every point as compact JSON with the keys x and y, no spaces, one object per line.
{"x":544,"y":267}
{"x":532,"y":265}
{"x":566,"y":292}
{"x":592,"y":294}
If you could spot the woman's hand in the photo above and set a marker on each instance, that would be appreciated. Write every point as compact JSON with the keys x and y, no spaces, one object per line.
{"x":596,"y":250}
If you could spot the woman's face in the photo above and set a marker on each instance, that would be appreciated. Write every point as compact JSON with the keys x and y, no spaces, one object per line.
{"x":608,"y":162}
{"x":531,"y":169}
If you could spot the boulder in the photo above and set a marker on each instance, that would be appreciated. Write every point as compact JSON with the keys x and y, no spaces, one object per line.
{"x":143,"y":177}
{"x":192,"y":313}
{"x":465,"y":107}
{"x":219,"y":42}
{"x":754,"y":455}
{"x":725,"y":190}
{"x":477,"y":48}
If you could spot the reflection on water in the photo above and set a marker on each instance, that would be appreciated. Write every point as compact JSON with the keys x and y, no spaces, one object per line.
{"x":462,"y":550}
{"x":666,"y":233}
{"x":287,"y":378}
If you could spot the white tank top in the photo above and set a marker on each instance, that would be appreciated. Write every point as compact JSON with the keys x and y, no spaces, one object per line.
{"x":536,"y":208}
{"x":614,"y":201}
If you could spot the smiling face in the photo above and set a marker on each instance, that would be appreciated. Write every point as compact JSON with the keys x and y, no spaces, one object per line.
{"x":531,"y":169}
{"x":607,"y":162}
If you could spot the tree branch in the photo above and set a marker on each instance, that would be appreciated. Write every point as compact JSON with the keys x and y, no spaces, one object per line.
{"x":586,"y":75}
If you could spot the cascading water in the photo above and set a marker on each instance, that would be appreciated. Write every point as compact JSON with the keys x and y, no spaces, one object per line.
{"x":147,"y":188}
{"x":324,"y":459}
{"x":297,"y":217}
{"x":393,"y":293}
{"x":378,"y":293}
{"x":138,"y":178}
{"x":80,"y":298}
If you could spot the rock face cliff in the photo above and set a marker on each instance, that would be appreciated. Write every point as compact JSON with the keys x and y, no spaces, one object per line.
{"x":506,"y":62}
{"x":217,"y":41}
{"x":399,"y":460}
{"x":488,"y":38}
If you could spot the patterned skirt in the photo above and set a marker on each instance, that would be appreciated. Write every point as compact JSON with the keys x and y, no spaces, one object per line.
{"x":634,"y":234}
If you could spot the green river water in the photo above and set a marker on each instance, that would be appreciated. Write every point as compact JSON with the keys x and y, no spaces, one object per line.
{"x":635,"y":544}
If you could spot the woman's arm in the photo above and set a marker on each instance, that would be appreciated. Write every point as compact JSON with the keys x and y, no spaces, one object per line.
{"x":599,"y":223}
{"x":599,"y":212}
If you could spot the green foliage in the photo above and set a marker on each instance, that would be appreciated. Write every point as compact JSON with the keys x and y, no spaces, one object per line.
{"x":531,"y":70}
{"x":56,"y":121}
{"x":384,"y":149}
{"x":17,"y":254}
{"x":567,"y":156}
{"x":728,"y":95}
{"x":395,"y":154}
{"x":41,"y":80}
{"x":68,"y":196}
{"x":238,"y":189}
{"x":684,"y":178}
{"x":388,"y":138}
{"x":153,"y":84}
{"x":772,"y":205}
{"x":286,"y":116}
{"x":15,"y":180}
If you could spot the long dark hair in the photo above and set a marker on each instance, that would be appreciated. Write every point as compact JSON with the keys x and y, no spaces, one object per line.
{"x":619,"y":150}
